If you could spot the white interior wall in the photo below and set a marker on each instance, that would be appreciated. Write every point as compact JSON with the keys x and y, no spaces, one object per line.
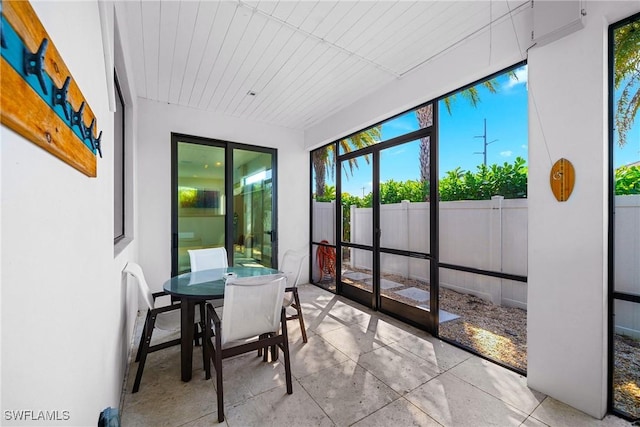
{"x":567,"y":260}
{"x":63,"y":302}
{"x":157,"y":122}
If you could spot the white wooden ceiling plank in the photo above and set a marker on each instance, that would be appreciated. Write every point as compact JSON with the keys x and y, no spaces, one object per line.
{"x":367,"y":24}
{"x":304,"y":72}
{"x":234,"y":66}
{"x":169,"y":12}
{"x":336,"y":14}
{"x":201,"y":39}
{"x":450,"y":27}
{"x":232,"y":39}
{"x":255,"y":79}
{"x":280,"y":77}
{"x":423,"y":16}
{"x":134,"y":32}
{"x":255,"y":64}
{"x":348,"y":94}
{"x":333,"y":76}
{"x":317,"y":16}
{"x":283,"y":9}
{"x":301,"y":12}
{"x":386,"y":26}
{"x":350,"y":20}
{"x":151,"y":38}
{"x":287,"y":49}
{"x":266,"y":6}
{"x":220,"y":28}
{"x":186,"y":22}
{"x":407,"y":24}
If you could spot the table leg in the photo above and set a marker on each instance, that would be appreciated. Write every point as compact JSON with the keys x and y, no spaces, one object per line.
{"x":187,"y":314}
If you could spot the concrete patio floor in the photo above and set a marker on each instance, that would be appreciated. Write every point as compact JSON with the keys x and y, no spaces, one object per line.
{"x":359,"y":368}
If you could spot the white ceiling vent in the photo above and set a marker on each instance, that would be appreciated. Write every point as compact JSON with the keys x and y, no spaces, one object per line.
{"x":553,"y":20}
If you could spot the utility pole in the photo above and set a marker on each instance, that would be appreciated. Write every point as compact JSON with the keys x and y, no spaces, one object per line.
{"x":484,"y":137}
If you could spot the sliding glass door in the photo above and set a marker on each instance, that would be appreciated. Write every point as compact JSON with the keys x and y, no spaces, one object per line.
{"x":223,"y":197}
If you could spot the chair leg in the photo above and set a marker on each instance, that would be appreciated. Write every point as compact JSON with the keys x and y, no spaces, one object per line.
{"x":144,"y":350}
{"x":144,"y":328}
{"x":299,"y":310}
{"x":285,"y":350}
{"x":218,"y":367}
{"x":206,"y":350}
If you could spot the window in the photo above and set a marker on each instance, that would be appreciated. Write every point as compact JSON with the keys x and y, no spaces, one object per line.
{"x":424,"y":216}
{"x":118,"y":166}
{"x":624,"y":217}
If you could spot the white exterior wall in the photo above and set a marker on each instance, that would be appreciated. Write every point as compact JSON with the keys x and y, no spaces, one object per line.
{"x":65,"y":313}
{"x":157,"y":122}
{"x":567,"y":256}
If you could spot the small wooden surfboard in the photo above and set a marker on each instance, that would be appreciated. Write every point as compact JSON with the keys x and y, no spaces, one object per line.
{"x":562,"y":178}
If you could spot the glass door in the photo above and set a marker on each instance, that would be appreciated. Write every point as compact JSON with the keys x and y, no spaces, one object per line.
{"x":223,"y":196}
{"x":404,"y":217}
{"x":253,"y":215}
{"x":200,"y":200}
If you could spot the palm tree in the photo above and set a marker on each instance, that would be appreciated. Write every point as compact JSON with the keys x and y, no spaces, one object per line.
{"x":626,"y":76}
{"x":324,"y":158}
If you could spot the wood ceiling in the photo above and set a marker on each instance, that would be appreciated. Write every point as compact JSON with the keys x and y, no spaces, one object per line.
{"x":290,"y":63}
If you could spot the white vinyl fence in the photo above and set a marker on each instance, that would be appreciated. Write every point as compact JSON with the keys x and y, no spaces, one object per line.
{"x":484,"y":234}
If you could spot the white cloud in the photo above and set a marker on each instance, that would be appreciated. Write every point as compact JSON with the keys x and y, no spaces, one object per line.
{"x":524,"y":147}
{"x":507,"y":153}
{"x":522,"y":74}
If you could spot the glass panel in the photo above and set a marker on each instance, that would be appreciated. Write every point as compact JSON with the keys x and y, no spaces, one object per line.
{"x":323,"y":173}
{"x":357,"y":222}
{"x":486,"y":314}
{"x":405,"y":280}
{"x":404,"y":214}
{"x":324,"y":195}
{"x":483,"y":140}
{"x":626,"y":163}
{"x":408,"y":122}
{"x":626,"y":371}
{"x":483,"y":175}
{"x":323,"y":271}
{"x":627,"y":243}
{"x":201,"y":199}
{"x":357,"y":268}
{"x":252,"y":208}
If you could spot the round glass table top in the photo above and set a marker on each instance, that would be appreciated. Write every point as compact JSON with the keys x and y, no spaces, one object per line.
{"x":209,"y":284}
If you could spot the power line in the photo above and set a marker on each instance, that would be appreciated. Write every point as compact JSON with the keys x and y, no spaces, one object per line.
{"x":485,"y":143}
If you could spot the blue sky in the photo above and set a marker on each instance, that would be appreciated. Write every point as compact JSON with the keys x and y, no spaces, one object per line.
{"x":460,"y":141}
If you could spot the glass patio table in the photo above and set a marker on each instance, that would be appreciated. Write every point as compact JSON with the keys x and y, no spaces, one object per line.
{"x":199,"y":286}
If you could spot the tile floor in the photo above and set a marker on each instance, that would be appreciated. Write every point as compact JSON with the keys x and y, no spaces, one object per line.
{"x":359,"y":368}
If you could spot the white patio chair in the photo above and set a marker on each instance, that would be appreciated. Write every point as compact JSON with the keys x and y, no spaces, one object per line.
{"x":206,"y":259}
{"x":166,"y":318}
{"x":252,"y":315}
{"x":291,"y":266}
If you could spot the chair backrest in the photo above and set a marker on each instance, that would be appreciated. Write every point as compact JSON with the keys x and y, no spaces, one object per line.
{"x":136,"y":271}
{"x":206,"y":259}
{"x":252,"y":306}
{"x":291,"y":266}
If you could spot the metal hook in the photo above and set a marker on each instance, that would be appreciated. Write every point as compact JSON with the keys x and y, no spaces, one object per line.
{"x":3,"y":43}
{"x":76,"y":119}
{"x":96,"y":144}
{"x":60,"y":96}
{"x":34,"y":63}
